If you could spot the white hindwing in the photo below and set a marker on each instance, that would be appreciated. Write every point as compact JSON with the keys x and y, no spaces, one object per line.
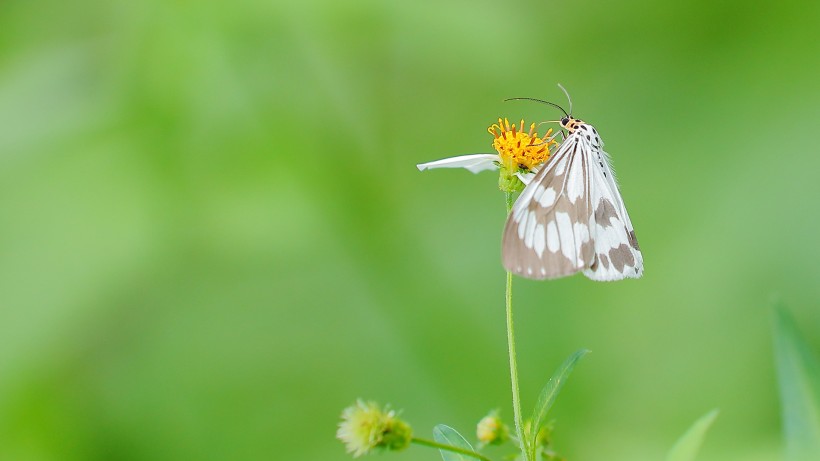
{"x":571,"y":218}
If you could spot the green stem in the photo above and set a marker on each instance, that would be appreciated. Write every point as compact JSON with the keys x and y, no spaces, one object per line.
{"x":442,"y":446}
{"x":519,"y":426}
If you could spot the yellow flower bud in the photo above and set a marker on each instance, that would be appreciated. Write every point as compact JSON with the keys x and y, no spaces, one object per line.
{"x":491,"y":430}
{"x":365,"y":426}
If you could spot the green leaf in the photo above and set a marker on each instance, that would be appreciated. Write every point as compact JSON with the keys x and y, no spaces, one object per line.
{"x":688,"y":445}
{"x":449,"y":436}
{"x":550,"y":392}
{"x":798,"y":376}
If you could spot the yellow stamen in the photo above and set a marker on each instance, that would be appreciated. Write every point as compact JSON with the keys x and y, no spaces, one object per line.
{"x":519,"y":149}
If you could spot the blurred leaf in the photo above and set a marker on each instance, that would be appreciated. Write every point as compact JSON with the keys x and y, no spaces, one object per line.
{"x":688,"y":445}
{"x":798,"y":376}
{"x":550,"y":392}
{"x":448,"y":435}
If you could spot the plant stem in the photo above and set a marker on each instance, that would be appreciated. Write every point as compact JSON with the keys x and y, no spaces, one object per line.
{"x":519,"y":426}
{"x":442,"y":446}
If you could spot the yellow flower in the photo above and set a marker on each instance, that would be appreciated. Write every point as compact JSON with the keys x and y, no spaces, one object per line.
{"x":519,"y":149}
{"x":365,"y":426}
{"x":519,"y":155}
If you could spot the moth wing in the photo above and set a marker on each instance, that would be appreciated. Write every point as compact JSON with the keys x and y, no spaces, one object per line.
{"x":547,"y":233}
{"x":616,"y":251}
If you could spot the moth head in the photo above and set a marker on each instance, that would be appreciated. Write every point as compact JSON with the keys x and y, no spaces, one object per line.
{"x":570,"y":123}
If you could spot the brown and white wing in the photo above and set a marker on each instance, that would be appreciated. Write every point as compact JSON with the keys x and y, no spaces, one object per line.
{"x":617,"y":254}
{"x":547,"y":234}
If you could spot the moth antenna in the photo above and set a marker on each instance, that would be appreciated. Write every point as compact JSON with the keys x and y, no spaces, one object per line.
{"x":541,"y":101}
{"x":568,"y":98}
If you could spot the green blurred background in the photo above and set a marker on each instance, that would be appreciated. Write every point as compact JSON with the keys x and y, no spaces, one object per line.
{"x":213,"y":236}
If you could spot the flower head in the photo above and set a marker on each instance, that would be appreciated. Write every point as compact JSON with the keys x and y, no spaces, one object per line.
{"x":519,"y":154}
{"x":491,"y":430}
{"x":365,"y":426}
{"x":519,"y":149}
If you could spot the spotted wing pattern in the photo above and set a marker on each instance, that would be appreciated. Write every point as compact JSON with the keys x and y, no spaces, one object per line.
{"x":571,"y":218}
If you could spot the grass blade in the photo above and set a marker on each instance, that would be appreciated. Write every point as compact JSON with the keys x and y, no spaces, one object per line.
{"x":688,"y":445}
{"x":550,"y":392}
{"x":798,"y":377}
{"x":449,"y":436}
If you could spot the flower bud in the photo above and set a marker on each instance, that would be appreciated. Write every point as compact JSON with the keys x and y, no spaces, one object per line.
{"x":491,"y":430}
{"x":365,"y":426}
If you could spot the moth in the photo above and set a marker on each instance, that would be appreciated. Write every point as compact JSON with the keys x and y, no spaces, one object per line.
{"x":571,"y":216}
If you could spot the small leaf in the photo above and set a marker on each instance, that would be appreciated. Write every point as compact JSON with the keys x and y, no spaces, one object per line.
{"x":550,"y":392}
{"x":449,"y":436}
{"x":798,"y":376}
{"x":688,"y":445}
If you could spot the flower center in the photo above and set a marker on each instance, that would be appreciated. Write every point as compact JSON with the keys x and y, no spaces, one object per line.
{"x":519,"y":149}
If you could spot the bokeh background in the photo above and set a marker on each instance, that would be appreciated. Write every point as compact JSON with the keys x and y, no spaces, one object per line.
{"x":213,"y":236}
